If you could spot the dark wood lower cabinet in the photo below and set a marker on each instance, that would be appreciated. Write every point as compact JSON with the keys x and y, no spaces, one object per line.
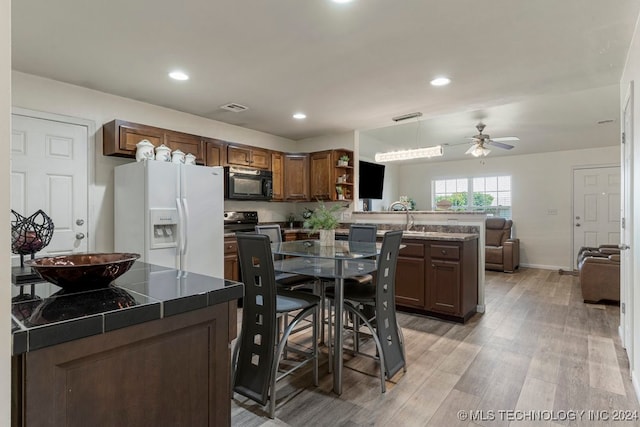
{"x":169,"y":372}
{"x":438,"y":278}
{"x":444,"y":292}
{"x":410,"y":275}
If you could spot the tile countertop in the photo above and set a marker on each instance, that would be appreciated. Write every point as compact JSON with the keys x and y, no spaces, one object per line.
{"x":43,"y":315}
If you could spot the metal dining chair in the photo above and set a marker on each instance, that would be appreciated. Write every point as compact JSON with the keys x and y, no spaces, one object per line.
{"x":259,"y":349}
{"x":286,"y":280}
{"x":383,"y":324}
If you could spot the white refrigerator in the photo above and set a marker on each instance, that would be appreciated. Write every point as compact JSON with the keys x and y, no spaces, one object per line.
{"x":171,"y":214}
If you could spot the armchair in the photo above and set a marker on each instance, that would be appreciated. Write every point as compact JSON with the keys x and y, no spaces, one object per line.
{"x":502,"y":253}
{"x":599,"y":272}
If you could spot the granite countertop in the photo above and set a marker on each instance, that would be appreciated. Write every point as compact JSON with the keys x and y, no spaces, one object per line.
{"x":413,"y":234}
{"x":403,"y":212}
{"x":42,"y":314}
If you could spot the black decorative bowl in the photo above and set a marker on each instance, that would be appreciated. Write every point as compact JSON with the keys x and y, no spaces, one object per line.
{"x":79,"y":272}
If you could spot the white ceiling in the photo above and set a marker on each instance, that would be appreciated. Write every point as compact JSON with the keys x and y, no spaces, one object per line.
{"x":545,"y":70}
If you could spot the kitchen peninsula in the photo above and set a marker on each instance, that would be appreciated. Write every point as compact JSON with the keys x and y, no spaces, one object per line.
{"x":440,"y":270}
{"x":151,"y":349}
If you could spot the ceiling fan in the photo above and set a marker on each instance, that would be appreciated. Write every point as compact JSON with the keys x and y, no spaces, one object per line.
{"x":481,"y":140}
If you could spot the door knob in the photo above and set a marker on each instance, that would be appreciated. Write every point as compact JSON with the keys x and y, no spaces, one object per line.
{"x":624,"y":247}
{"x":79,"y":236}
{"x":79,"y":221}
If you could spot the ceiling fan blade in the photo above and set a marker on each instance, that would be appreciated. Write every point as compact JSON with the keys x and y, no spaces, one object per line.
{"x":473,"y":147}
{"x":500,"y":144}
{"x":506,"y":138}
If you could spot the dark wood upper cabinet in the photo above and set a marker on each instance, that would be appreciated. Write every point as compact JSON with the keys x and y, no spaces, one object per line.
{"x":214,"y":152}
{"x":331,"y":180}
{"x":186,"y":143}
{"x":321,"y":176}
{"x":119,"y":138}
{"x":277,"y":170}
{"x":296,"y":177}
{"x":241,"y":155}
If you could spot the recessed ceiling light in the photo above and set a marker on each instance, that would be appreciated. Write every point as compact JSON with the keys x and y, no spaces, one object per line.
{"x":178,"y":75}
{"x":299,"y":116}
{"x":440,"y":81}
{"x":342,"y":1}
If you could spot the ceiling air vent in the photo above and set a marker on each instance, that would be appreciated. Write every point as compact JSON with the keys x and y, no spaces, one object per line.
{"x":232,"y":106}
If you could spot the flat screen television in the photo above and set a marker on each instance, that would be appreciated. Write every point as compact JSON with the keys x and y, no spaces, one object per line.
{"x":370,"y":180}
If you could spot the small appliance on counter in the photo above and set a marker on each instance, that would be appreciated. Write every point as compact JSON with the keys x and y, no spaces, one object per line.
{"x":240,"y":221}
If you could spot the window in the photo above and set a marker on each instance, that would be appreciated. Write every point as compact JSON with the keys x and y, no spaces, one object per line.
{"x":490,"y":194}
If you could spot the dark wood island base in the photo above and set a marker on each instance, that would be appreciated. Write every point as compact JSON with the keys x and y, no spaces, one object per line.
{"x":150,"y":349}
{"x":173,"y":371}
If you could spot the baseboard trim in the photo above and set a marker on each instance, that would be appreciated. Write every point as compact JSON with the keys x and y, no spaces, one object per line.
{"x":545,"y":267}
{"x":480,"y":308}
{"x":621,"y":335}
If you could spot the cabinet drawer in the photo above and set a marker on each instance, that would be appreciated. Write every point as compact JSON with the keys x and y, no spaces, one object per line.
{"x":230,"y":246}
{"x":412,"y":250}
{"x":445,"y":252}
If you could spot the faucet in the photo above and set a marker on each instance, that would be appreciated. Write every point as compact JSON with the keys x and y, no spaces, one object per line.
{"x":404,"y":206}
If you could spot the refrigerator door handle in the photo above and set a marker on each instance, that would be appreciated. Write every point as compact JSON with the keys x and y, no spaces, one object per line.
{"x":181,"y":225}
{"x":185,"y":246}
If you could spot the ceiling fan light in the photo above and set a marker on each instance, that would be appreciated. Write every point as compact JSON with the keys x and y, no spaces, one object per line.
{"x":478,"y":151}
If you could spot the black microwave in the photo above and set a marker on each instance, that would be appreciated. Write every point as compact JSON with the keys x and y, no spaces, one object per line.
{"x":247,"y":184}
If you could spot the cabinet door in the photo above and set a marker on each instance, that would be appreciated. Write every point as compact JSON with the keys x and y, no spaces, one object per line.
{"x":213,"y":152}
{"x":119,"y":138}
{"x":296,"y":177}
{"x":277,"y":170}
{"x":322,"y":184}
{"x":231,"y":264}
{"x":187,"y":144}
{"x":444,"y":287}
{"x":260,"y":159}
{"x":238,"y":156}
{"x":410,"y":282}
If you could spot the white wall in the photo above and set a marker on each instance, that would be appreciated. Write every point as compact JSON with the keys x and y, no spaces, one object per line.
{"x":36,"y":93}
{"x":632,"y":73}
{"x":540,"y":182}
{"x":5,"y":278}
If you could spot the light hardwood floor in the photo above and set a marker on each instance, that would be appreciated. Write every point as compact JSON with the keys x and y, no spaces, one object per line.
{"x":538,"y":347}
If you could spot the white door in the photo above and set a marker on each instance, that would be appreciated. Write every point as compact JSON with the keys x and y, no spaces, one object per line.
{"x":626,"y":265}
{"x":49,"y":172}
{"x":596,"y":207}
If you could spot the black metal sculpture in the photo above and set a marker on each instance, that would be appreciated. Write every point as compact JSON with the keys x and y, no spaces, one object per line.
{"x":30,"y":234}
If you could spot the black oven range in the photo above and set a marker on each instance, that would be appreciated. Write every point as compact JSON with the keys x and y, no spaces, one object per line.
{"x":240,"y":221}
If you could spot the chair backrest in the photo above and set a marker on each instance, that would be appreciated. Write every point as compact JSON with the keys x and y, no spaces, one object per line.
{"x":387,"y":325}
{"x":274,"y":233}
{"x":362,"y":233}
{"x":258,"y":336}
{"x":497,"y":231}
{"x":271,"y":230}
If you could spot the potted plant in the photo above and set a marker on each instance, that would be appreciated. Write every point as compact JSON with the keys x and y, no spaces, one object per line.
{"x":343,"y":160}
{"x":291,"y":219}
{"x":340,"y":192}
{"x":323,"y":219}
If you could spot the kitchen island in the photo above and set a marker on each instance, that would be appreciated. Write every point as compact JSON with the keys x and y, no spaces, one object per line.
{"x":151,"y":349}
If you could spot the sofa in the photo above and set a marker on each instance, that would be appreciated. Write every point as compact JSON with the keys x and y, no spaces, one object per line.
{"x":502,"y":253}
{"x":599,"y":273}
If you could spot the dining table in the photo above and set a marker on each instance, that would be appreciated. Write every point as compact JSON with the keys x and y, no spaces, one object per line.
{"x":336,"y":261}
